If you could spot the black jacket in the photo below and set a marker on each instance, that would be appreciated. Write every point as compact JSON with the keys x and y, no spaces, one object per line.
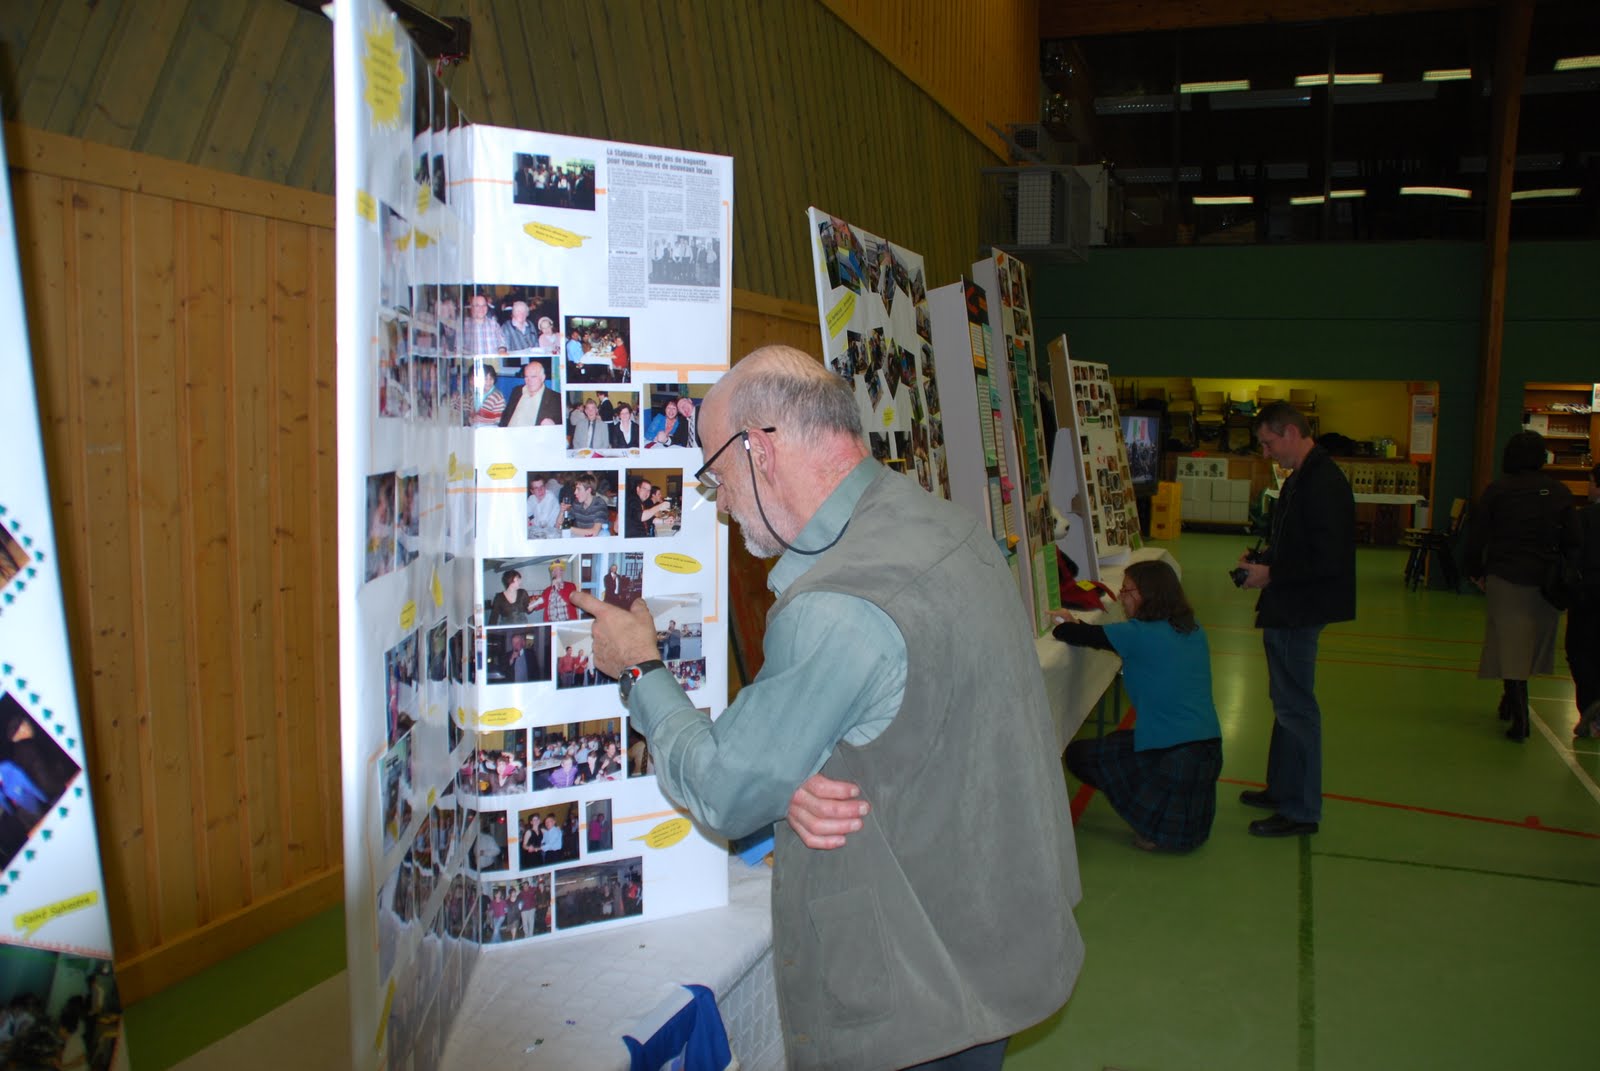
{"x":1589,"y":555}
{"x":1521,"y":523}
{"x":1313,"y":549}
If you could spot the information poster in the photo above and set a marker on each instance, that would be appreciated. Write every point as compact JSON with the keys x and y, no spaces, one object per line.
{"x":60,"y":990}
{"x":527,"y":325}
{"x":1088,"y":402}
{"x":877,"y":335}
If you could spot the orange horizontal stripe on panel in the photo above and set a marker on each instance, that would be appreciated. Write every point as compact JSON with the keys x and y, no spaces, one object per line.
{"x":647,"y":817}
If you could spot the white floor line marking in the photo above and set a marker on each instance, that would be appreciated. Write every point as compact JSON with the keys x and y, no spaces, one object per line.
{"x":1566,"y":754}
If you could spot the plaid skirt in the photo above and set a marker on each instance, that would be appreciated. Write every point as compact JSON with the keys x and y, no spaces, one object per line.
{"x":1168,"y":795}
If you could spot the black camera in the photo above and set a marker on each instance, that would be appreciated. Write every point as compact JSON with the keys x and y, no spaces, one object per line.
{"x":1239,"y":574}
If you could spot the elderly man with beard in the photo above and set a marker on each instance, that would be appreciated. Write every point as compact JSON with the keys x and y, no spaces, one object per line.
{"x":899,"y":710}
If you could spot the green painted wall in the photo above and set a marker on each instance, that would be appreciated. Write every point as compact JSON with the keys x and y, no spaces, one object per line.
{"x":1402,"y":311}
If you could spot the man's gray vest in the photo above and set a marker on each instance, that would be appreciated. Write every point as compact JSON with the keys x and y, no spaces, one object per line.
{"x":947,"y":921}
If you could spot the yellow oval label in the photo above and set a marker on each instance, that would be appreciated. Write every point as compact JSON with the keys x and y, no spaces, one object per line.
{"x":502,"y":470}
{"x":678,"y":563}
{"x":503,"y":716}
{"x":666,"y":834}
{"x":555,"y":236}
{"x":408,"y":616}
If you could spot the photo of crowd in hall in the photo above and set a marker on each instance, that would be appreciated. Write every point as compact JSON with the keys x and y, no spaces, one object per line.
{"x":548,"y":182}
{"x":652,"y":502}
{"x":572,"y":505}
{"x":603,"y":423}
{"x":685,"y":260}
{"x":547,"y":835}
{"x":512,"y":910}
{"x":488,"y":851}
{"x":61,"y":1010}
{"x":34,"y":773}
{"x":599,"y":892}
{"x":576,"y":753}
{"x":497,"y":765}
{"x":598,"y":349}
{"x":672,"y":414}
{"x":402,"y":686}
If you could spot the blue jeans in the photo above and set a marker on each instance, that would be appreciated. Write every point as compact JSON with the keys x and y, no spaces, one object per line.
{"x":1294,"y":760}
{"x":986,"y":1057}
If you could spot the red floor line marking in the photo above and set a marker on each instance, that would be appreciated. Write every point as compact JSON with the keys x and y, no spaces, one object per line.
{"x":1530,"y":822}
{"x":1085,"y":793}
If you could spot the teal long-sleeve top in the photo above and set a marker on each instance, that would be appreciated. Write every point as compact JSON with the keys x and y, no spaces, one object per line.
{"x":834,"y":669}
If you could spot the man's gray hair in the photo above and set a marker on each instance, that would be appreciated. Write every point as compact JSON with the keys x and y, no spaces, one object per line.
{"x":780,"y":386}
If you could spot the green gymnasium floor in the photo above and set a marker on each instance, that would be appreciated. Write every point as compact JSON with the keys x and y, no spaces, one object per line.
{"x":1444,"y":917}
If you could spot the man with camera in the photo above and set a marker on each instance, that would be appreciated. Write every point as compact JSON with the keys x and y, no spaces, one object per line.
{"x":1307,"y":578}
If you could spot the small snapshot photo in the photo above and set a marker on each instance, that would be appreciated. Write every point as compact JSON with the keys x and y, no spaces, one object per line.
{"x":685,"y":260}
{"x":531,"y":590}
{"x":380,"y":548}
{"x":575,"y":666}
{"x":603,"y":423}
{"x":394,"y":370}
{"x":34,"y":773}
{"x":497,"y":766}
{"x":13,"y":558}
{"x":576,"y":753}
{"x":532,"y":397}
{"x":402,"y":668}
{"x":488,"y":850}
{"x":691,"y":672}
{"x":599,"y":892}
{"x":436,"y":319}
{"x":395,"y":782}
{"x":461,"y":907}
{"x":547,"y":835}
{"x":640,"y":764}
{"x":552,"y":181}
{"x":585,"y":504}
{"x":652,"y":502}
{"x":527,"y":315}
{"x":598,"y":349}
{"x":420,"y":856}
{"x":515,"y":909}
{"x":616,"y":578}
{"x":678,"y":625}
{"x":517,"y":654}
{"x":672,"y":414}
{"x":597,"y":826}
{"x":408,"y":520}
{"x":62,"y":1009}
{"x":394,"y":273}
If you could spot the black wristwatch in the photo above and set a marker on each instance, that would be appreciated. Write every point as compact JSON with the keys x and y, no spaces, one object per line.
{"x":631,"y":675}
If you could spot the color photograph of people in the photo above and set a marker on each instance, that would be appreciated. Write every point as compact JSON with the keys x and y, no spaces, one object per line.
{"x":597,"y":826}
{"x":575,"y":666}
{"x":34,"y":773}
{"x":512,"y":910}
{"x":531,"y":590}
{"x":598,"y":349}
{"x":599,"y":892}
{"x":841,"y":251}
{"x":586,"y":504}
{"x":378,"y":547}
{"x":685,"y":260}
{"x":61,"y":1010}
{"x":401,"y":673}
{"x":539,"y":179}
{"x":488,"y":850}
{"x":497,"y":765}
{"x":603,"y":423}
{"x":621,"y":576}
{"x":652,"y":502}
{"x":408,"y":520}
{"x":547,"y":835}
{"x":461,"y":907}
{"x":673,"y":416}
{"x":678,"y":627}
{"x":395,"y":777}
{"x":519,"y":654}
{"x":394,"y":371}
{"x":576,"y":753}
{"x":533,"y":401}
{"x":420,"y":856}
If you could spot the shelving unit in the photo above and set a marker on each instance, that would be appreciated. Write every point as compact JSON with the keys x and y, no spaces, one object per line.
{"x":1565,"y":414}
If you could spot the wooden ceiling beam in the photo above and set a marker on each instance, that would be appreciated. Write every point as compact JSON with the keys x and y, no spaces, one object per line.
{"x":1095,"y":18}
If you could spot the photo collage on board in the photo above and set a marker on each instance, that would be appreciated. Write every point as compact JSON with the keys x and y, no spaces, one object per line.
{"x":1108,"y":482}
{"x":877,"y":336}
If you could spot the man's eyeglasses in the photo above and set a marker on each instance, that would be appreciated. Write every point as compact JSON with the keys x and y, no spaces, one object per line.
{"x":710,"y":481}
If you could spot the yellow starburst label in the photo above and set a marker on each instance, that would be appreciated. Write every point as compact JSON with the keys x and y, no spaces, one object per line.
{"x":386,"y":78}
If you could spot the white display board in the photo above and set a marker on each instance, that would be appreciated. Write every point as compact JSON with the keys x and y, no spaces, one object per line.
{"x":1087,"y":405}
{"x":876,"y":333}
{"x":55,"y":951}
{"x":517,"y":313}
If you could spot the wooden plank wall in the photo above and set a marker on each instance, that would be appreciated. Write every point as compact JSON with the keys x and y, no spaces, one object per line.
{"x":876,"y":124}
{"x":182,"y":329}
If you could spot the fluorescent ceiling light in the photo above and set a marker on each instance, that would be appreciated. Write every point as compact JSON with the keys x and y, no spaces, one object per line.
{"x":1333,"y":195}
{"x":1539,"y":195}
{"x":1448,"y":74}
{"x":1577,"y":63}
{"x":1215,"y":87}
{"x":1224,"y":200}
{"x":1341,"y":194}
{"x":1339,"y":79}
{"x":1309,"y":199}
{"x":1437,"y":191}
